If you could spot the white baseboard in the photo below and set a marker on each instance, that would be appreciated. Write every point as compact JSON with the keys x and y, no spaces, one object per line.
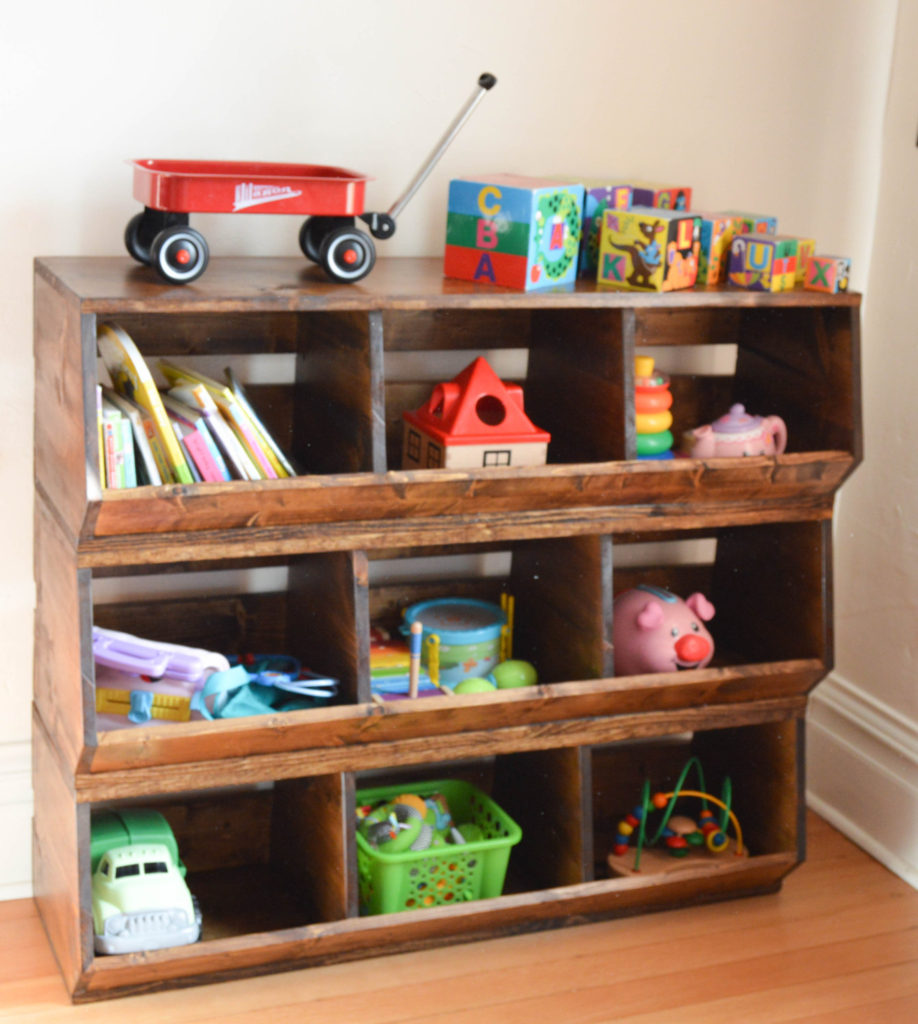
{"x":15,"y":821}
{"x":862,"y":773}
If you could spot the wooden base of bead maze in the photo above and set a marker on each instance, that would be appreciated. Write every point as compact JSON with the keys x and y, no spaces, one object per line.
{"x":656,"y":861}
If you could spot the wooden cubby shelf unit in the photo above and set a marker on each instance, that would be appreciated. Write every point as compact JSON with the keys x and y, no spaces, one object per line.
{"x":306,"y":564}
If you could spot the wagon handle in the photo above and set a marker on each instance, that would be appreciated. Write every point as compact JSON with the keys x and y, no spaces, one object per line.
{"x":485,"y":82}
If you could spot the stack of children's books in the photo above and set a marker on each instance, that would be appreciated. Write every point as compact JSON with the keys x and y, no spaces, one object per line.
{"x":193,"y":428}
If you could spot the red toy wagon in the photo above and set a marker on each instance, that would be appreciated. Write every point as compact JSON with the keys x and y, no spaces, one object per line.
{"x":331,"y":197}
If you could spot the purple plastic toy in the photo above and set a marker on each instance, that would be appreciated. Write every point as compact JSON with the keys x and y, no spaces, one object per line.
{"x":655,"y":631}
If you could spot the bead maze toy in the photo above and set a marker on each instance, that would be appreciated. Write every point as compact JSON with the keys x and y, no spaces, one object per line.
{"x":331,"y":197}
{"x":677,"y":836}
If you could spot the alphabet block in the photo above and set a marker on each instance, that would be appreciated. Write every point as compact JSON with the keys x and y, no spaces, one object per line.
{"x":597,"y":199}
{"x":806,"y":248}
{"x":753,"y":223}
{"x":514,"y":231}
{"x":717,"y":230}
{"x":827,"y":274}
{"x":662,"y":197}
{"x":649,"y":250}
{"x":763,"y":263}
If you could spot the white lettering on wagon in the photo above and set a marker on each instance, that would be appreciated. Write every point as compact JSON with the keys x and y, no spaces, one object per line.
{"x":249,"y":194}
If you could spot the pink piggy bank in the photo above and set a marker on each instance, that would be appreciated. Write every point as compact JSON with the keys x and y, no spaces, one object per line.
{"x":655,"y":631}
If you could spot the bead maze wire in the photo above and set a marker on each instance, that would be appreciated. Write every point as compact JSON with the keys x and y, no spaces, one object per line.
{"x":714,"y":832}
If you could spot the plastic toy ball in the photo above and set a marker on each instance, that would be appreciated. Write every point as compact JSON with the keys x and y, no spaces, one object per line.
{"x":474,"y":684}
{"x":513,"y":673}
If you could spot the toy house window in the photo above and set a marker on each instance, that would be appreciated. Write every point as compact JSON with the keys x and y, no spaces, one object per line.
{"x":434,"y":456}
{"x":413,"y":446}
{"x":496,"y":458}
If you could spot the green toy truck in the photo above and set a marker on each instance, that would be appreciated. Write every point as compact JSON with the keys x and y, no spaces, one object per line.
{"x":140,"y":900}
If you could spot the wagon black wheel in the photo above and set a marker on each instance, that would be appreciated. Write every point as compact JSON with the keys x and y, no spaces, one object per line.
{"x":314,"y":232}
{"x":132,"y":240}
{"x":144,"y":227}
{"x":179,"y":254}
{"x":348,"y":255}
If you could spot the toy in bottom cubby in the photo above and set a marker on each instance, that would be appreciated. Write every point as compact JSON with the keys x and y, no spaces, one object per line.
{"x":512,"y":230}
{"x":675,"y":842}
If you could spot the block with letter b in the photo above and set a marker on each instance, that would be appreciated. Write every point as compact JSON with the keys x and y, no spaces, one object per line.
{"x":514,"y":231}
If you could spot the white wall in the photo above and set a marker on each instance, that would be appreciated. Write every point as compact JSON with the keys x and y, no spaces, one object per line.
{"x":864,"y":719}
{"x":775,"y":107}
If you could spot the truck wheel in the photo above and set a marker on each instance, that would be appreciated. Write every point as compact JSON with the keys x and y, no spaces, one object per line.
{"x":179,"y":254}
{"x":348,"y":255}
{"x":314,"y":232}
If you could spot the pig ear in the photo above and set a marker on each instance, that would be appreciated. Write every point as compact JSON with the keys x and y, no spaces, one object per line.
{"x":651,"y":615}
{"x":701,"y":606}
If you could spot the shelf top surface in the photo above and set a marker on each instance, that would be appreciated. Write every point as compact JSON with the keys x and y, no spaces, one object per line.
{"x":111,"y":284}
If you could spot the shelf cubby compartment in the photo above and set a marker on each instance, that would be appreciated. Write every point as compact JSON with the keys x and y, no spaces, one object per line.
{"x":336,"y":408}
{"x":769,"y":587}
{"x":796,"y":362}
{"x":761,"y":766}
{"x":311,"y":607}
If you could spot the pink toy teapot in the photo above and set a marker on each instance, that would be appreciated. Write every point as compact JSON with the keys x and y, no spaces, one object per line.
{"x":738,"y":433}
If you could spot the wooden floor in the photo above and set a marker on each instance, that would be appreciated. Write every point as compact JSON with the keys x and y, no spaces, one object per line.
{"x":839,"y":943}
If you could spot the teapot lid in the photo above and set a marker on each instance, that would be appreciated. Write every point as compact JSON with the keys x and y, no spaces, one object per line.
{"x":736,"y":421}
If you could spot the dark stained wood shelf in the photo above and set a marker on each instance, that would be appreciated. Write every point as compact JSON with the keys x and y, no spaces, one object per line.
{"x":272,"y":798}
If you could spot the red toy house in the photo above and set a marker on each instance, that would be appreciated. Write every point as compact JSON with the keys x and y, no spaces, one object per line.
{"x":473,"y":420}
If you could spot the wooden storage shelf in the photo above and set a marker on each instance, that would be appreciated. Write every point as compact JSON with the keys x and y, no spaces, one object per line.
{"x":567,"y":535}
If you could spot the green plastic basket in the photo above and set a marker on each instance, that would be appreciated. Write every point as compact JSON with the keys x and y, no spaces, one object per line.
{"x":439,"y":876}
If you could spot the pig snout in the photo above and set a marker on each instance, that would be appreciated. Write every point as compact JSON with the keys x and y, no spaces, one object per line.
{"x":692,"y":648}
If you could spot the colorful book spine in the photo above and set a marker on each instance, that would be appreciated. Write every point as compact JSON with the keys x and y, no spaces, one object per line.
{"x":231,"y":409}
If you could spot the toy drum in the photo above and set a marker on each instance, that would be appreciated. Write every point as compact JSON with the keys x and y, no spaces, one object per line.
{"x":468,"y":631}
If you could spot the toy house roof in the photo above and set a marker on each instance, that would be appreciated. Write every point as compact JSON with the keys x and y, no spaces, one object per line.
{"x":476,"y":407}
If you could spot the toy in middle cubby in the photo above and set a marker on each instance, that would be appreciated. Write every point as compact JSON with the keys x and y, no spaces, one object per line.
{"x":464,"y":645}
{"x":649,"y":249}
{"x":679,"y":835}
{"x":653,"y":630}
{"x":147,"y":681}
{"x":513,"y":230}
{"x":652,"y":418}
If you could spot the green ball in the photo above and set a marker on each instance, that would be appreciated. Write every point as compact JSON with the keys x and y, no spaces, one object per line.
{"x":474,"y":684}
{"x":513,"y":673}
